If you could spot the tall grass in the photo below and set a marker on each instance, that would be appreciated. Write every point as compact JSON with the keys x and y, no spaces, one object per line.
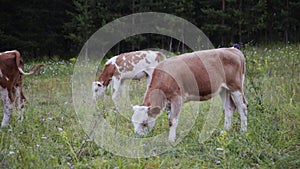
{"x":50,"y":135}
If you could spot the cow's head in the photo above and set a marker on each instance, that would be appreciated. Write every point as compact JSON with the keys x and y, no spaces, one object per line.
{"x":144,"y":119}
{"x":98,"y":89}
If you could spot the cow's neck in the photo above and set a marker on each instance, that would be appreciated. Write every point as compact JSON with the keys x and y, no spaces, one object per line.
{"x":154,"y":98}
{"x":107,"y":74}
{"x":105,"y":81}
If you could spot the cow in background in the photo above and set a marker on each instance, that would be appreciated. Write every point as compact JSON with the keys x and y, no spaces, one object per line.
{"x":11,"y":77}
{"x":133,"y":65}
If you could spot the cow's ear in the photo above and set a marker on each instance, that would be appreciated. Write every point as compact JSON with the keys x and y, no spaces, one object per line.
{"x":154,"y":111}
{"x":135,"y":108}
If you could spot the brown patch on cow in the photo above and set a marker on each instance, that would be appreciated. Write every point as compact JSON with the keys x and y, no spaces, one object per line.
{"x":117,"y":75}
{"x":130,"y":59}
{"x":159,"y":56}
{"x":141,"y":57}
{"x":108,"y":72}
{"x":147,"y":61}
{"x":9,"y":69}
{"x":163,"y":87}
{"x":203,"y":81}
{"x":236,"y":68}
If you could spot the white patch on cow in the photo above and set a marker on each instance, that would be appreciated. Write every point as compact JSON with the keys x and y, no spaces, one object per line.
{"x":98,"y":89}
{"x":112,"y":60}
{"x":141,"y":121}
{"x":8,"y":106}
{"x":7,"y":79}
{"x":242,"y":109}
{"x":139,"y":75}
{"x":228,"y":106}
{"x":1,"y":74}
{"x":243,"y":78}
{"x":12,"y":51}
{"x":20,"y":103}
{"x":172,"y":132}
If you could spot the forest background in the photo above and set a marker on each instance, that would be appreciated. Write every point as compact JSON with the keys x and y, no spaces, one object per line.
{"x":59,"y":28}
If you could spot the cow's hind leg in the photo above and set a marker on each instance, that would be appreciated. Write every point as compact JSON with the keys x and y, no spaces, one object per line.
{"x":242,"y":108}
{"x":20,"y":102}
{"x":8,"y":106}
{"x":149,"y":76}
{"x":229,"y":108}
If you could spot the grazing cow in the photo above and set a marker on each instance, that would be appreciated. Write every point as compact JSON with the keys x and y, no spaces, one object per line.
{"x":196,"y":76}
{"x":11,"y":77}
{"x":133,"y":65}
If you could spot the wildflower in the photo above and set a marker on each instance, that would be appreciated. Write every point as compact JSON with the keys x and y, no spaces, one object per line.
{"x":223,"y":135}
{"x":59,"y":129}
{"x":64,"y":135}
{"x":44,"y":137}
{"x":73,"y":59}
{"x":219,"y":149}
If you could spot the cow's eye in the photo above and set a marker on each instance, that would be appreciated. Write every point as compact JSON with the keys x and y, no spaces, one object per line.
{"x":99,"y":85}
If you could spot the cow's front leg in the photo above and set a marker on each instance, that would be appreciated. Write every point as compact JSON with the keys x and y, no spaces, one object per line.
{"x":116,"y":86}
{"x":173,"y":117}
{"x":8,"y":106}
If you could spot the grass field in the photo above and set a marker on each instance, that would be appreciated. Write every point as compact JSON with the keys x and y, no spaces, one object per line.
{"x":50,"y":135}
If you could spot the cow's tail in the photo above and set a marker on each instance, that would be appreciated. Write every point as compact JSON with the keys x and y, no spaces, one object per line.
{"x":19,"y":64}
{"x":243,"y":75}
{"x":244,"y":69}
{"x":32,"y":71}
{"x":161,"y":56}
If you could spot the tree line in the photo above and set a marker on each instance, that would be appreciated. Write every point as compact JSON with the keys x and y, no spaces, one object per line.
{"x":50,"y":28}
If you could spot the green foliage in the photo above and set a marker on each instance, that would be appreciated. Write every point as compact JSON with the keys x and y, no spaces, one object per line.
{"x":33,"y":27}
{"x":61,"y":27}
{"x":51,"y":137}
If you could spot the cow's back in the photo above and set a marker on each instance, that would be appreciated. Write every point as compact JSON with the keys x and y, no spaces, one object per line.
{"x":197,"y":74}
{"x":128,"y":64}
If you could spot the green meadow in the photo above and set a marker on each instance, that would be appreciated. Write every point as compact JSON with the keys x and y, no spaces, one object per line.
{"x":51,"y":135}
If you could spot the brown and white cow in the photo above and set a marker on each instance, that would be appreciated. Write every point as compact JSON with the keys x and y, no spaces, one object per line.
{"x":11,"y":77}
{"x":196,"y":76}
{"x":133,"y":65}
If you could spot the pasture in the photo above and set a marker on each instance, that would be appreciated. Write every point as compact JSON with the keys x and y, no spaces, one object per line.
{"x":50,"y":135}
